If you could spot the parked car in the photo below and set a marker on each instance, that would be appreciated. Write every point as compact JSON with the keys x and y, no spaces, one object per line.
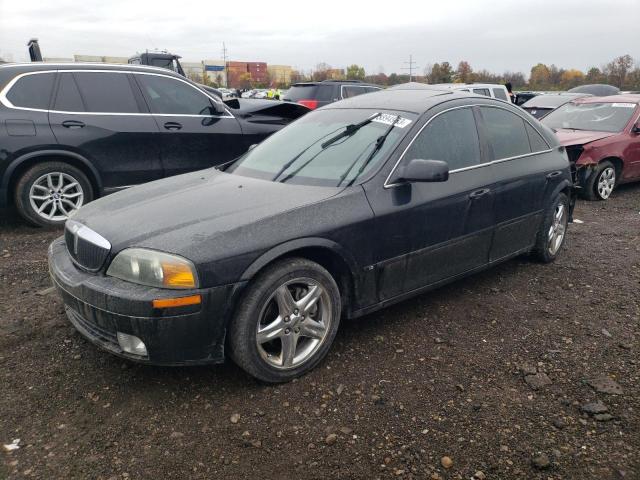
{"x":522,"y":97}
{"x":351,"y":208}
{"x":602,"y":138}
{"x":541,"y":105}
{"x":597,"y":89}
{"x":492,"y":90}
{"x":74,"y":132}
{"x":318,"y":94}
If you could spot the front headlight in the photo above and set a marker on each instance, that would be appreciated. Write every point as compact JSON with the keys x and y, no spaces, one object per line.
{"x":152,"y":268}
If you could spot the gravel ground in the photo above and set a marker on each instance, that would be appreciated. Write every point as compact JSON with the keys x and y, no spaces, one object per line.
{"x":505,"y":374}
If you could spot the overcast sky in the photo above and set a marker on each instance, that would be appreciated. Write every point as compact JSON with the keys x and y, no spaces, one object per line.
{"x":497,"y":35}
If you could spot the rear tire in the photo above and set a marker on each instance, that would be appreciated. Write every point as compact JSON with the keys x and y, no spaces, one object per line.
{"x":49,"y":193}
{"x":286,"y":321}
{"x":552,"y":233}
{"x":602,"y":182}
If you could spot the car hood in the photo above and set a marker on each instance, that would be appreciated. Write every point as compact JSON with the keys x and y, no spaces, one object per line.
{"x":178,"y":213}
{"x":580,"y":137}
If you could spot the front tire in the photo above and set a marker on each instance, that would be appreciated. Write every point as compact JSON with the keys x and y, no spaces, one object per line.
{"x":602,"y":182}
{"x":552,"y":233}
{"x":49,"y":193}
{"x":286,"y":321}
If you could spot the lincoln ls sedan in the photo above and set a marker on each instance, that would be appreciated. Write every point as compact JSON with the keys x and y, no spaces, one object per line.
{"x":355,"y":206}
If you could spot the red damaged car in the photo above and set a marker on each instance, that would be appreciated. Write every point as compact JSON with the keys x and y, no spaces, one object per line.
{"x":602,"y":138}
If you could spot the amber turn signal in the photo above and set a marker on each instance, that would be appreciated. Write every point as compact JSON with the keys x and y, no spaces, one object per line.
{"x":177,"y":302}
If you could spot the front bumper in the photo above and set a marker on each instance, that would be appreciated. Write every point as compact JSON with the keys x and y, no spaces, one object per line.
{"x":99,"y":306}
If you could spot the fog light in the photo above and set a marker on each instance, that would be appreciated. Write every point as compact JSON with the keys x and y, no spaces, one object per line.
{"x":131,"y":344}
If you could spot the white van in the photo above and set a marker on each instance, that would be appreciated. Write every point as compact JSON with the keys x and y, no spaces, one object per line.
{"x":493,"y":90}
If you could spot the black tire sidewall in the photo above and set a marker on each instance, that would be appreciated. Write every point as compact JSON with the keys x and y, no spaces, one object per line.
{"x":592,"y":187}
{"x":542,"y":242}
{"x":242,"y":330}
{"x":22,"y":202}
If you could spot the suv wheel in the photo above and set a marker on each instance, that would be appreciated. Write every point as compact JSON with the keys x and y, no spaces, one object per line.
{"x":49,"y":193}
{"x":553,"y":230}
{"x":286,"y":321}
{"x":602,"y":182}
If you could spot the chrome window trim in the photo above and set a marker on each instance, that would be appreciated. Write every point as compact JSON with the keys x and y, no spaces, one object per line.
{"x":471,"y":167}
{"x":7,"y":103}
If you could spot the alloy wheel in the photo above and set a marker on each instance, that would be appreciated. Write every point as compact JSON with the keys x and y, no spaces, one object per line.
{"x":293,"y":323}
{"x":558,"y":229}
{"x":55,"y":196}
{"x":606,"y":182}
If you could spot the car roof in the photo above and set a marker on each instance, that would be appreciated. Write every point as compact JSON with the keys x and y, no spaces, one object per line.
{"x":552,"y":100}
{"x":38,"y":66}
{"x":468,"y":85}
{"x":415,"y":101}
{"x":621,"y":98}
{"x":336,"y":82}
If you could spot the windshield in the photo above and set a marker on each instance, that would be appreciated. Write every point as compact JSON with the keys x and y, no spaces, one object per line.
{"x":599,"y":117}
{"x":311,"y":150}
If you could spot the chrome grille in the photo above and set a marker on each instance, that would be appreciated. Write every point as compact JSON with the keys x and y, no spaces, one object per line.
{"x":87,"y":248}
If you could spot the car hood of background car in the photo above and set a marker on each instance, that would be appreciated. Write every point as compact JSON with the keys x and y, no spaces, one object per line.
{"x":179,"y":213}
{"x":580,"y":137}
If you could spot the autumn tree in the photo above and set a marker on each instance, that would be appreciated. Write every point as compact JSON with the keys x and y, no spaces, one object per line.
{"x":321,"y":72}
{"x":355,"y":72}
{"x":516,"y":79}
{"x":571,"y":78}
{"x":540,"y":76}
{"x":594,"y":75}
{"x":464,"y":73}
{"x":440,"y":73}
{"x":618,"y":69}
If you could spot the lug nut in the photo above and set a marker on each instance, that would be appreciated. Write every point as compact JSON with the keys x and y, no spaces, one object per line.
{"x":297,"y":330}
{"x":286,"y":319}
{"x":287,"y":331}
{"x":295,"y":311}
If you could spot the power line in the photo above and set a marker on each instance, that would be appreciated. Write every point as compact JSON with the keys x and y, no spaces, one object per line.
{"x":412,"y":66}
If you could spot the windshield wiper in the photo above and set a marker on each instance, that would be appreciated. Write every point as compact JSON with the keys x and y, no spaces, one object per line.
{"x":349,"y":130}
{"x":379,"y":142}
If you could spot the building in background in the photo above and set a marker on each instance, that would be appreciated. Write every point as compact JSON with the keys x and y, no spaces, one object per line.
{"x":57,"y":60}
{"x":100,"y":59}
{"x":280,"y":75}
{"x":258,"y":73}
{"x":215,"y":72}
{"x":193,"y":71}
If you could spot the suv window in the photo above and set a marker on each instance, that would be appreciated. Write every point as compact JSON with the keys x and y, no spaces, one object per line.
{"x":302,"y":92}
{"x":482,"y":91}
{"x":106,"y":92}
{"x":68,"y":98}
{"x":171,"y":96}
{"x":32,"y":91}
{"x":499,"y":93}
{"x":452,"y":137}
{"x":538,"y":144}
{"x":506,"y":133}
{"x":349,"y":91}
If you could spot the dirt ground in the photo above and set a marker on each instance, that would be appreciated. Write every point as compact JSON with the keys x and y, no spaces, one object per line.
{"x":505,"y":373}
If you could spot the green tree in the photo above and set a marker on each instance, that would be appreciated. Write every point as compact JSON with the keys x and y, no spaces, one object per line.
{"x":440,"y":73}
{"x":594,"y":75}
{"x":355,"y":72}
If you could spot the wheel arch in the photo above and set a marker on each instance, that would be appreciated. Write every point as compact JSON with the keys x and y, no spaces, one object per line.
{"x":327,"y":253}
{"x":618,"y":163}
{"x":28,"y":160}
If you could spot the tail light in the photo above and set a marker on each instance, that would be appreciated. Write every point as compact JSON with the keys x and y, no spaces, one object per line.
{"x":312,"y":104}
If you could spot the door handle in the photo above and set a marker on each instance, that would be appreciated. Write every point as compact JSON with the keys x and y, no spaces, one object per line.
{"x":479,"y":193}
{"x":173,"y":126}
{"x":554,"y":174}
{"x":73,"y":124}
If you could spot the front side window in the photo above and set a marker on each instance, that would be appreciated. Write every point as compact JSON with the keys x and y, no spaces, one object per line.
{"x":506,"y":133}
{"x":311,"y":151}
{"x":452,"y":137}
{"x":106,"y":92}
{"x":170,"y":96}
{"x":599,"y":117}
{"x":32,"y":91}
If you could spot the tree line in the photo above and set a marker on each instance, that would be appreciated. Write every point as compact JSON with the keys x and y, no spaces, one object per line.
{"x":622,"y":72}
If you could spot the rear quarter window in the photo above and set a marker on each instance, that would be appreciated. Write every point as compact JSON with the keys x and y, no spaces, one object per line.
{"x":499,"y":93}
{"x":32,"y":91}
{"x":301,"y":92}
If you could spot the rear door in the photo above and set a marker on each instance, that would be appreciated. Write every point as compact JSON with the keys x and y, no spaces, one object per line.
{"x":98,"y":115}
{"x":434,"y":231}
{"x":525,"y":169}
{"x":193,"y":136}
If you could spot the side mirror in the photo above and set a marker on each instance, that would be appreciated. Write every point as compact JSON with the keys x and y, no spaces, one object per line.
{"x":636,"y":128}
{"x":218,"y":108}
{"x":418,"y":170}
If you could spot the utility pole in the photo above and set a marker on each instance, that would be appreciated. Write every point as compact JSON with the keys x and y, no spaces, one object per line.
{"x":412,"y":66}
{"x":224,"y":59}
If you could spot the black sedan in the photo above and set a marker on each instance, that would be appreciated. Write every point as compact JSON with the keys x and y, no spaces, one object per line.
{"x":74,"y":132}
{"x":353,"y":207}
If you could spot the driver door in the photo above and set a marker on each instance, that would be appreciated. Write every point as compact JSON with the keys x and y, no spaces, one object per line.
{"x":193,"y":136}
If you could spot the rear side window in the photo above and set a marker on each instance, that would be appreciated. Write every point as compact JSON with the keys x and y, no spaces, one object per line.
{"x":349,"y":91}
{"x":106,"y":92}
{"x":506,"y":133}
{"x":482,"y":91}
{"x":538,"y":144}
{"x":68,"y":98}
{"x":32,"y":91}
{"x":301,"y":92}
{"x":169,"y":96}
{"x":452,"y":137}
{"x":499,"y":93}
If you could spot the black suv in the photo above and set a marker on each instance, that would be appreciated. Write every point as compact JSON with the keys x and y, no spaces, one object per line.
{"x":319,"y":94}
{"x":72,"y":132}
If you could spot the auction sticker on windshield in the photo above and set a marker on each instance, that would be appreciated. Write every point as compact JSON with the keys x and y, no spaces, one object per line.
{"x":624,"y":105}
{"x":388,"y":119}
